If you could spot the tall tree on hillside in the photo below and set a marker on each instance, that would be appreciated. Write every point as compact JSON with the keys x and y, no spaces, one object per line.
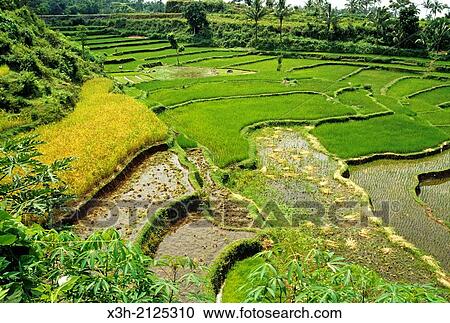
{"x":381,"y":18}
{"x":397,"y":5}
{"x":256,"y":11}
{"x":195,"y":14}
{"x":316,"y":7}
{"x":331,"y":18}
{"x":407,"y":28}
{"x":361,"y":6}
{"x":82,"y":36}
{"x":436,"y":35}
{"x":282,"y":10}
{"x":427,"y":5}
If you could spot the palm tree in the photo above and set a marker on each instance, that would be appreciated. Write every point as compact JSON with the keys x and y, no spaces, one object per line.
{"x":437,"y":7}
{"x":256,"y":11}
{"x":174,"y":44}
{"x":381,"y":19}
{"x":427,"y":4}
{"x":434,"y":34}
{"x":282,"y":10}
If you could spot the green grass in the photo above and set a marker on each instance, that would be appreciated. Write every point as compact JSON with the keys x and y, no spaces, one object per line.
{"x":223,"y":62}
{"x":119,"y":41}
{"x":441,"y":118}
{"x":445,"y":129}
{"x":108,"y":40}
{"x":376,"y":78}
{"x":271,"y":65}
{"x":237,"y":278}
{"x":217,"y":125}
{"x":147,"y":57}
{"x":327,"y":72}
{"x":123,"y":51}
{"x":396,"y":133}
{"x":420,"y":106}
{"x":408,"y":86}
{"x":184,"y":142}
{"x":128,"y":44}
{"x":205,"y":90}
{"x":435,"y":96}
{"x":361,"y":101}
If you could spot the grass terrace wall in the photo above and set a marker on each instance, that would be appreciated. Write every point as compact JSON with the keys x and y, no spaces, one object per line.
{"x":231,"y":254}
{"x":160,"y":223}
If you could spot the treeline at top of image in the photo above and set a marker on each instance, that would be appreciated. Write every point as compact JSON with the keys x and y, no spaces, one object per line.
{"x":394,"y":29}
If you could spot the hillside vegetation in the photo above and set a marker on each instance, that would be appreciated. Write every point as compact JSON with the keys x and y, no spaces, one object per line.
{"x":40,"y":70}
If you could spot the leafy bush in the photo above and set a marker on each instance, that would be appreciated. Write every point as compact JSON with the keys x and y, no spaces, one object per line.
{"x":38,"y":265}
{"x":323,"y":277}
{"x":27,"y":186}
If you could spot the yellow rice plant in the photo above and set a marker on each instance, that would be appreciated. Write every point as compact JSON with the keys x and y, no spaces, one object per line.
{"x":103,"y":131}
{"x":10,"y":120}
{"x":4,"y":70}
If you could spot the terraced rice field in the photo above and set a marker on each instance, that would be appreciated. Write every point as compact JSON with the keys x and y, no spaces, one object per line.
{"x":218,"y":98}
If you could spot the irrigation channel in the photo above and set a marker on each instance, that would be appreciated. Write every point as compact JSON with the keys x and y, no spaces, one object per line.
{"x":418,"y":211}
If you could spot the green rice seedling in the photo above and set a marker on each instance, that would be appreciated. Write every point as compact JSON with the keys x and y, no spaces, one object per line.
{"x":361,"y":101}
{"x":407,"y":86}
{"x":218,"y":125}
{"x":396,"y":133}
{"x":376,"y":78}
{"x":439,"y":118}
{"x":419,"y":106}
{"x":328,"y":72}
{"x":205,"y":90}
{"x":434,"y":96}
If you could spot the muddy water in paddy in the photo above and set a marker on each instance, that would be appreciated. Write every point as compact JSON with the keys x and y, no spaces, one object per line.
{"x":198,"y":239}
{"x":394,"y":182}
{"x":195,"y":236}
{"x":436,"y":195}
{"x":297,"y":170}
{"x":154,"y":183}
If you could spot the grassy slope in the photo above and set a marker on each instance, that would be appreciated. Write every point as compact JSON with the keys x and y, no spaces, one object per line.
{"x":102,"y":132}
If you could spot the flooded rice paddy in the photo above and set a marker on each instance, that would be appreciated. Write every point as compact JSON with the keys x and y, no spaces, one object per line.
{"x":436,"y":195}
{"x":300,"y":173}
{"x":152,"y":184}
{"x":391,"y":186}
{"x":198,"y":239}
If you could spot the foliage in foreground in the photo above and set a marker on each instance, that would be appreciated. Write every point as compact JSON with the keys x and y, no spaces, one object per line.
{"x":288,"y":273}
{"x":102,"y":132}
{"x":38,"y":265}
{"x":29,"y":187}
